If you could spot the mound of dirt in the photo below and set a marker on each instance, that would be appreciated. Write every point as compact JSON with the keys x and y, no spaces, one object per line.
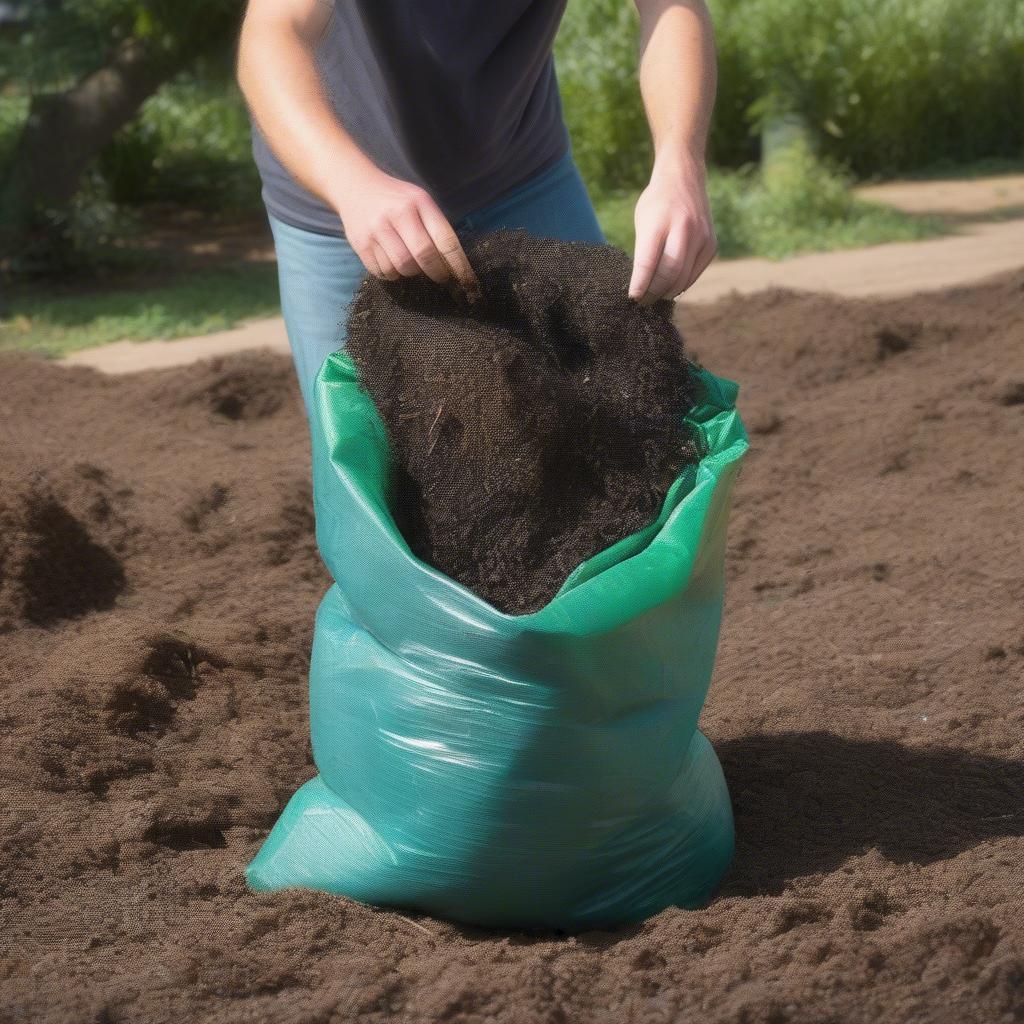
{"x":532,"y":428}
{"x":866,"y":704}
{"x":60,"y":543}
{"x":233,"y":389}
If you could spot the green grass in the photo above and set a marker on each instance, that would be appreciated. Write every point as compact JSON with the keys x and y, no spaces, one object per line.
{"x":802,"y":206}
{"x":43,"y":319}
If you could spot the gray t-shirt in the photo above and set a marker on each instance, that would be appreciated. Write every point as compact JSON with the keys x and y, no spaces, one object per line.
{"x":458,"y":96}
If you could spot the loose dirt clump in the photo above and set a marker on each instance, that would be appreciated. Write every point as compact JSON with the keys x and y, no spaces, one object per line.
{"x":529,"y":429}
{"x":231,"y":389}
{"x":61,"y":543}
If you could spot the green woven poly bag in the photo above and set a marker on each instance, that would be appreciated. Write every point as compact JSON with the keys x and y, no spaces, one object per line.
{"x":540,"y":770}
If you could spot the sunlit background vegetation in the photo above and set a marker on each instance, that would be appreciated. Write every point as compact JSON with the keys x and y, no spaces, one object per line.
{"x":814,"y":96}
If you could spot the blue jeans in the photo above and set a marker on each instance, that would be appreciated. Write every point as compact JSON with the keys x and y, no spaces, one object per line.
{"x":319,"y":274}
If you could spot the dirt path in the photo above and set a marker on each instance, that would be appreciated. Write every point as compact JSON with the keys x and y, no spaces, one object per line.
{"x":954,"y":197}
{"x":896,"y":268}
{"x":130,"y":356}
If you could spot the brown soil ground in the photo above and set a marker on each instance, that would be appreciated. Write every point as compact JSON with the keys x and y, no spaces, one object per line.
{"x":867,"y":704}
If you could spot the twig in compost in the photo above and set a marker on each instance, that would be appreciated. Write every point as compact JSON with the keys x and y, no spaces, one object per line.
{"x":431,"y":429}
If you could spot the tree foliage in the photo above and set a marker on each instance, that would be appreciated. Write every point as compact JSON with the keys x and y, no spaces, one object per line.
{"x":88,"y":66}
{"x":60,"y":41}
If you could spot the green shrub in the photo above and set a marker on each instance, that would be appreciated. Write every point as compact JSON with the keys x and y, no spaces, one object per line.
{"x":802,"y":204}
{"x":13,"y":110}
{"x":595,"y":58}
{"x":190,"y":144}
{"x":884,"y":86}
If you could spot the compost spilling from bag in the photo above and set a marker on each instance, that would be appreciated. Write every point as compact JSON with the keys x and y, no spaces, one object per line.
{"x":546,"y":450}
{"x":529,"y":429}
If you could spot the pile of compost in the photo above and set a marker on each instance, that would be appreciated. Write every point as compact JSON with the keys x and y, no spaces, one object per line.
{"x":532,"y":427}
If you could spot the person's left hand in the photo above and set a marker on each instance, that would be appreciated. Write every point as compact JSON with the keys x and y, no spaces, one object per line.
{"x":675,"y":239}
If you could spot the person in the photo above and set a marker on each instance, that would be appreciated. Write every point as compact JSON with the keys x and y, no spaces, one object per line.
{"x":384,"y":129}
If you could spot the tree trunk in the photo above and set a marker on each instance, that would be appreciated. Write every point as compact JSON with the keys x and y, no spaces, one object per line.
{"x":65,"y":131}
{"x":782,"y":128}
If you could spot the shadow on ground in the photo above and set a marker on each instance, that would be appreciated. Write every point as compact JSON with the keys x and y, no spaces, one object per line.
{"x":806,"y":801}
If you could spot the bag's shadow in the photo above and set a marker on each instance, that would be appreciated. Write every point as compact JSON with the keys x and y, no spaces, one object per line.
{"x":804,"y":802}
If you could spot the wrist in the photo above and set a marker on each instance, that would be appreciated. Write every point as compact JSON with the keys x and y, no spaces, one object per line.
{"x":346,"y":167}
{"x":679,"y":162}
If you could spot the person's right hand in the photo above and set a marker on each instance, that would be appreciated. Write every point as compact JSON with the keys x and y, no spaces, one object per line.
{"x":397,"y":230}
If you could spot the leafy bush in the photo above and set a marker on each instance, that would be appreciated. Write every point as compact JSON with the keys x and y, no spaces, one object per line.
{"x":189,"y":144}
{"x":887,"y":85}
{"x":13,"y":111}
{"x":884,"y":86}
{"x":595,"y":58}
{"x":56,"y":212}
{"x":801,"y":204}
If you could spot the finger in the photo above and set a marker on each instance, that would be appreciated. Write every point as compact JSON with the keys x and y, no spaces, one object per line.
{"x":418,"y":241}
{"x":677,"y":287}
{"x":448,"y":245}
{"x":665,"y":276}
{"x":685,"y":272}
{"x":388,"y":239}
{"x":676,"y":263}
{"x":369,"y":260}
{"x":646,"y":256}
{"x":704,"y":257}
{"x":385,"y":268}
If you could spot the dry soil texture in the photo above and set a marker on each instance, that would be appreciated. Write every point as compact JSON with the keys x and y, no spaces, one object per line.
{"x":159,"y":579}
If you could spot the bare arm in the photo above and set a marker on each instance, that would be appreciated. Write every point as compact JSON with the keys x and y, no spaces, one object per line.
{"x":675,"y":240}
{"x":395,"y":227}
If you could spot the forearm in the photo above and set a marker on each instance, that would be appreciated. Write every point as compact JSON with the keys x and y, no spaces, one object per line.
{"x":678,"y":78}
{"x":675,"y":239}
{"x":395,"y":227}
{"x":279,"y":79}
